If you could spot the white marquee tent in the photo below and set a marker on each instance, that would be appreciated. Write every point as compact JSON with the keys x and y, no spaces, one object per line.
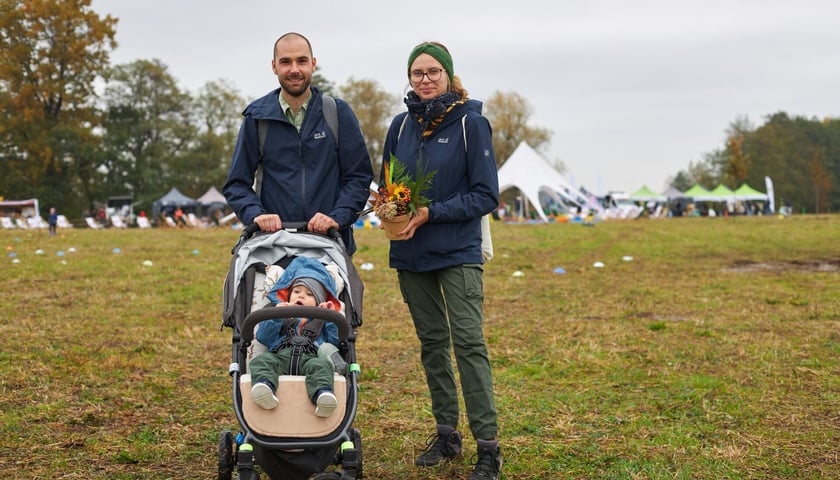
{"x":532,"y":175}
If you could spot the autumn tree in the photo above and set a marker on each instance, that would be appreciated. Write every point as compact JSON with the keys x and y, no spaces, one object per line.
{"x":821,"y":181}
{"x":705,"y":172}
{"x":681,"y":181}
{"x":509,"y":114}
{"x":52,"y":53}
{"x":801,"y":155}
{"x":374,"y":107}
{"x":147,"y":130}
{"x":737,"y":166}
{"x":216,"y":114}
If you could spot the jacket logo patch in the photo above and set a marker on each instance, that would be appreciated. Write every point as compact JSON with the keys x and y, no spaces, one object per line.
{"x":320,"y":135}
{"x":443,"y":140}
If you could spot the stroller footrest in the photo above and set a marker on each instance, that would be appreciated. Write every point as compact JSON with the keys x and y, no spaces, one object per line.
{"x":295,"y":414}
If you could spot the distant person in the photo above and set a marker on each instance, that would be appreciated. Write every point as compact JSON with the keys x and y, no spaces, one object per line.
{"x":439,"y":264}
{"x":52,"y":221}
{"x":309,"y":174}
{"x":179,"y":217}
{"x":306,"y":282}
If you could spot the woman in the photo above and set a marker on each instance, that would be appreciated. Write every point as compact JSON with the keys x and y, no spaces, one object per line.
{"x":439,"y":262}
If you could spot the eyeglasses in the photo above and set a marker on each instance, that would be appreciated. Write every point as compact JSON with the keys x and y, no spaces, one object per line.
{"x":434,"y":75}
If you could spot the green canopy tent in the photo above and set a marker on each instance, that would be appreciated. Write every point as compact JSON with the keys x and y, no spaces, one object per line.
{"x":747,"y":193}
{"x":722,"y":193}
{"x":700,"y":194}
{"x":645,"y":194}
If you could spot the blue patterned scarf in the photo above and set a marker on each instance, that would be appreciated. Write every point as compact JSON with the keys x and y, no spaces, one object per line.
{"x":430,"y":113}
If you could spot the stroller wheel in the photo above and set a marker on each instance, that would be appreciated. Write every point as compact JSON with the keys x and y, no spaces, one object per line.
{"x":226,"y":458}
{"x":327,"y":476}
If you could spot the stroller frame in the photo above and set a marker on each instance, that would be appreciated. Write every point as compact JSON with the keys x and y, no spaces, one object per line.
{"x":251,"y":253}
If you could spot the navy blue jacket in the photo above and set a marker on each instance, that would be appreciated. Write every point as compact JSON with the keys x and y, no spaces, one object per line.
{"x":304,"y":172}
{"x":465,"y":188}
{"x":271,"y":333}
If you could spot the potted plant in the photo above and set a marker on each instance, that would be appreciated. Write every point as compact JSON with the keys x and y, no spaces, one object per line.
{"x":399,"y":196}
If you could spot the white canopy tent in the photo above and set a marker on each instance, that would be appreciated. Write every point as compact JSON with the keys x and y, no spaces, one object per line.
{"x":211,"y":197}
{"x":532,"y":175}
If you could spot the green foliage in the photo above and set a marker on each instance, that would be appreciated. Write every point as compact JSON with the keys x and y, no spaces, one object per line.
{"x":374,"y":108}
{"x":801,"y":155}
{"x":419,"y":184}
{"x":509,"y":114}
{"x":400,"y":192}
{"x":52,"y":54}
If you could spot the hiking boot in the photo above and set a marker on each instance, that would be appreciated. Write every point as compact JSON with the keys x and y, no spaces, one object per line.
{"x":440,"y":446}
{"x":489,"y":462}
{"x":326,"y":404}
{"x":263,"y":395}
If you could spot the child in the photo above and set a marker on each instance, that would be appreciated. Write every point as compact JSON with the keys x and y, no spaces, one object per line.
{"x":293,"y":343}
{"x":52,"y":220}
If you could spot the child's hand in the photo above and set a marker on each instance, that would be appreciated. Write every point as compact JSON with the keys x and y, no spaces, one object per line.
{"x":282,"y":304}
{"x":328,"y":304}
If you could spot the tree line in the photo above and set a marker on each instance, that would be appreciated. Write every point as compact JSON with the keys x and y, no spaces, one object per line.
{"x":76,"y":129}
{"x":801,"y":155}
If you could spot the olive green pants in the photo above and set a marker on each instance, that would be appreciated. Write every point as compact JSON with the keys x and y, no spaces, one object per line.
{"x":270,"y":365}
{"x":446,"y":307}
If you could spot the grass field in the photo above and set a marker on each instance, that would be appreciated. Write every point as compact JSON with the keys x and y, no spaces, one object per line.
{"x":713,"y":354}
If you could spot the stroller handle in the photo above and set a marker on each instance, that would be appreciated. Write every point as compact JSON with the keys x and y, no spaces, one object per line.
{"x":293,"y":311}
{"x":254,"y":228}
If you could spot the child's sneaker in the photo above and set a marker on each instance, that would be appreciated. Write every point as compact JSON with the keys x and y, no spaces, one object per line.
{"x":326,"y":404}
{"x":264,"y":396}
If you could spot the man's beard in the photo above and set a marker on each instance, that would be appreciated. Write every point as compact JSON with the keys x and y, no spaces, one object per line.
{"x":296,"y":92}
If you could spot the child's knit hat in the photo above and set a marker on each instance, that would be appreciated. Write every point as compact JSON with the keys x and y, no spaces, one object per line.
{"x":314,"y":286}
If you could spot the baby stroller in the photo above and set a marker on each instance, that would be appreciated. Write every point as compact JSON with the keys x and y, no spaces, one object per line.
{"x":290,"y":442}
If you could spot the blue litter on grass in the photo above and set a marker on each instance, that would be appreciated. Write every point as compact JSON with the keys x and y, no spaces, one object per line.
{"x":59,"y":253}
{"x":559,"y":270}
{"x":195,"y":252}
{"x":116,"y":250}
{"x":12,"y":254}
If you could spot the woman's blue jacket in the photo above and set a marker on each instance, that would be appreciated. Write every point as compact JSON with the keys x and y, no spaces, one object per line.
{"x":465,"y":187}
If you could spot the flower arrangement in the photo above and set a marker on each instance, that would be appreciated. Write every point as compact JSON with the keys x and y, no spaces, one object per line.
{"x":399,"y":194}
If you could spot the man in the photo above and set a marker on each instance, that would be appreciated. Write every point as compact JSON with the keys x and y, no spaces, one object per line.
{"x":309,"y":172}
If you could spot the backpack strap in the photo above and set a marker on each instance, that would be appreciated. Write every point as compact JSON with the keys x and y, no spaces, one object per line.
{"x":330,"y":112}
{"x":464,"y":130}
{"x":402,"y":125}
{"x":262,"y":130}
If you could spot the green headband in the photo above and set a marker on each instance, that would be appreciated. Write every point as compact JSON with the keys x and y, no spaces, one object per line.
{"x":437,"y":52}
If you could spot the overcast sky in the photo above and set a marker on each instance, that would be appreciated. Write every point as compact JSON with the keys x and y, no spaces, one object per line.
{"x":632,"y":90}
